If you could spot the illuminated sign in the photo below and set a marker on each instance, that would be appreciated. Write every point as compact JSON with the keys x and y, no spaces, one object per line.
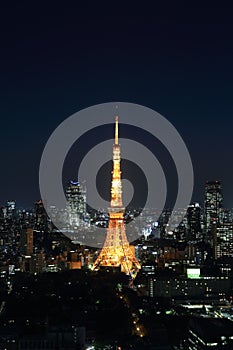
{"x":193,"y":272}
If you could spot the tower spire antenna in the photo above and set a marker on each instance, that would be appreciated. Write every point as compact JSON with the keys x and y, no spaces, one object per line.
{"x":116,"y":130}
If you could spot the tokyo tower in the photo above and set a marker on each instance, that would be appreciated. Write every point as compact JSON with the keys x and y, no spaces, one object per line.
{"x":116,"y":251}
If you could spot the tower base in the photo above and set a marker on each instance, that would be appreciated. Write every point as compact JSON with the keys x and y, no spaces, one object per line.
{"x":121,"y":257}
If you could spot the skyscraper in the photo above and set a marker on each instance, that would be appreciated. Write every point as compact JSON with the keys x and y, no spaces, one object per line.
{"x":76,"y":202}
{"x":213,"y":203}
{"x":194,"y":221}
{"x":116,"y":251}
{"x":224,"y":245}
{"x":40,"y":215}
{"x":11,"y":209}
{"x":26,"y":241}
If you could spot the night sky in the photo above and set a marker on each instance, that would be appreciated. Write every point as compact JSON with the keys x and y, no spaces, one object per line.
{"x":56,"y":60}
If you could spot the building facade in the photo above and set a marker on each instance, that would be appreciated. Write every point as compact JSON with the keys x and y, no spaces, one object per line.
{"x":76,"y":203}
{"x":213,"y":204}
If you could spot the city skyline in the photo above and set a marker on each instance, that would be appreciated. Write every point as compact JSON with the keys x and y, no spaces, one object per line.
{"x":74,"y":182}
{"x":116,"y":235}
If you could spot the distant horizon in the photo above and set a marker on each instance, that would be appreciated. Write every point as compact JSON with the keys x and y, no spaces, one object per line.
{"x":21,"y":205}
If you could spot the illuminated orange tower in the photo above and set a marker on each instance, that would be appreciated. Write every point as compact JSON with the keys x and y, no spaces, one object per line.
{"x":116,"y":251}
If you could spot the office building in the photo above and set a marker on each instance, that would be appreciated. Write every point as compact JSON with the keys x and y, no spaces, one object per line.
{"x":193,"y":221}
{"x":192,"y":287}
{"x":76,"y":203}
{"x":213,"y":204}
{"x":26,"y":241}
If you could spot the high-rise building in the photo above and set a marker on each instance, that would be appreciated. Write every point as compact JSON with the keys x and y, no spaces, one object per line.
{"x":116,"y":251}
{"x":194,"y":221}
{"x":26,"y":241}
{"x":226,"y":215}
{"x":40,"y":215}
{"x":10,"y":209}
{"x":224,"y":238}
{"x":163,"y":220}
{"x":213,"y":204}
{"x":76,"y":202}
{"x":38,"y":263}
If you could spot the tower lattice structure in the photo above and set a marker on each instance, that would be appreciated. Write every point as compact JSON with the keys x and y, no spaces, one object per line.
{"x":116,"y":251}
